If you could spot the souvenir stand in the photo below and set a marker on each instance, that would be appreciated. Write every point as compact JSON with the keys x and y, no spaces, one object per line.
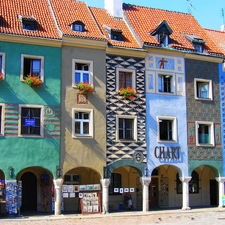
{"x":90,"y":199}
{"x":13,"y":197}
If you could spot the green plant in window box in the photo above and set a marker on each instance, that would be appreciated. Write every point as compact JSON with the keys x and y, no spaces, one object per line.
{"x":85,"y":88}
{"x":1,"y":76}
{"x":128,"y":92}
{"x":33,"y":81}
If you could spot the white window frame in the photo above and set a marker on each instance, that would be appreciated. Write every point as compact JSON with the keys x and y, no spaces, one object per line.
{"x":197,"y":80}
{"x":90,"y":63}
{"x":172,"y":85}
{"x":23,"y":56}
{"x":41,"y":120}
{"x":134,"y":118}
{"x":2,"y":120}
{"x":133,"y":72}
{"x":212,"y":138}
{"x":3,"y":63}
{"x":91,"y":121}
{"x":174,"y":128}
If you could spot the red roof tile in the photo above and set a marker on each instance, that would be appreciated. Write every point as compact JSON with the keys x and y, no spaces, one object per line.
{"x":218,"y":37}
{"x":145,"y":20}
{"x":68,"y":11}
{"x":10,"y":21}
{"x":103,"y":19}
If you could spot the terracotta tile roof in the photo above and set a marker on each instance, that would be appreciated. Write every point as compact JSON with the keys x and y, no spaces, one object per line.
{"x":145,"y":20}
{"x":67,"y":12}
{"x":105,"y":20}
{"x":11,"y":13}
{"x":218,"y":37}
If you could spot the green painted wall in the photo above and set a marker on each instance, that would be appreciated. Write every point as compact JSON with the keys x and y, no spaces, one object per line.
{"x":23,"y":152}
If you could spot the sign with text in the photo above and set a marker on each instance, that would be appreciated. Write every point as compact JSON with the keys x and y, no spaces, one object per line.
{"x":30,"y":122}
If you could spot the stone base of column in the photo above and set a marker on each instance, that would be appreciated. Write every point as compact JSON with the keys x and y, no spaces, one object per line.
{"x":186,"y":208}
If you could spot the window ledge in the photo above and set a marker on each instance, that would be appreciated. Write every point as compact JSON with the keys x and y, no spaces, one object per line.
{"x":205,"y":145}
{"x":204,"y":99}
{"x":82,"y":136}
{"x":167,"y":141}
{"x":125,"y":140}
{"x":31,"y":136}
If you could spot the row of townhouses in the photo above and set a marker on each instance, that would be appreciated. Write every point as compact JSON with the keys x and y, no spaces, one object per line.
{"x":96,"y":103}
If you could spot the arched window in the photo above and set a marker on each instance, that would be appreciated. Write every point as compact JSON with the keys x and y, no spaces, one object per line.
{"x":194,"y":183}
{"x":78,"y":26}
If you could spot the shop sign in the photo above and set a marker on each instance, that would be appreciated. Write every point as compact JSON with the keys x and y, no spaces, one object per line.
{"x":30,"y":122}
{"x":162,"y":152}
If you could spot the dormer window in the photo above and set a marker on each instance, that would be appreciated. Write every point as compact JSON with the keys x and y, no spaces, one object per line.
{"x":114,"y":34}
{"x":78,"y":26}
{"x":28,"y":22}
{"x":197,"y":42}
{"x":162,"y":33}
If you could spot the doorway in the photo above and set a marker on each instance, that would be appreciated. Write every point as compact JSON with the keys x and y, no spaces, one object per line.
{"x":213,"y":193}
{"x":29,"y":192}
{"x":153,"y":193}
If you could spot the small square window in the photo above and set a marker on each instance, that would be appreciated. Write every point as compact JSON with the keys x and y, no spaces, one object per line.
{"x":167,"y":129}
{"x":116,"y":36}
{"x":125,"y":78}
{"x":203,"y":89}
{"x":165,"y":83}
{"x":31,"y":121}
{"x":82,"y":123}
{"x":163,"y":39}
{"x":32,"y":65}
{"x":83,"y":72}
{"x":28,"y":25}
{"x":205,"y":133}
{"x":78,"y":26}
{"x":72,"y":179}
{"x":126,"y":128}
{"x":198,"y":48}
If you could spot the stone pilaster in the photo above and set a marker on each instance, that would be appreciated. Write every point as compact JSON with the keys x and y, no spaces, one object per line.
{"x":185,"y":182}
{"x":145,"y":181}
{"x":58,"y":188}
{"x":105,"y":195}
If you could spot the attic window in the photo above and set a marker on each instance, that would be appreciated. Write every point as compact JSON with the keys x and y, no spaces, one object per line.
{"x":28,"y":22}
{"x":162,"y":33}
{"x":196,"y":41}
{"x":114,"y":34}
{"x":78,"y":26}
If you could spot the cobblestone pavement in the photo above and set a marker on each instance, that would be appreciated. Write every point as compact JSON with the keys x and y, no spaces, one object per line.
{"x":209,"y":216}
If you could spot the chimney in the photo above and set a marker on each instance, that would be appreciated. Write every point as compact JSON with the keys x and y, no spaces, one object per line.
{"x":222,"y":28}
{"x":114,"y":7}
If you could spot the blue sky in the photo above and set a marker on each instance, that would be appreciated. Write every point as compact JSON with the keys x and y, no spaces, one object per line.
{"x":207,"y":12}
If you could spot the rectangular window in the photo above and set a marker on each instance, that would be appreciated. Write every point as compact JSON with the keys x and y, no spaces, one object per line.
{"x":205,"y":133}
{"x":82,"y":72}
{"x":31,"y":120}
{"x":2,"y":64}
{"x":72,"y":179}
{"x":125,"y":78}
{"x":2,"y":106}
{"x":82,"y":122}
{"x":165,"y":83}
{"x":32,"y":65}
{"x":203,"y":89}
{"x":115,"y":184}
{"x":126,"y":128}
{"x":167,"y":129}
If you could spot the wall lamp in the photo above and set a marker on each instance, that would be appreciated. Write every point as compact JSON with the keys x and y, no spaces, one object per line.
{"x":11,"y":170}
{"x":58,"y":172}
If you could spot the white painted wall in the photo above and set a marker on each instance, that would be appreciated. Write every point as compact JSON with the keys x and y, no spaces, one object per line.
{"x":114,"y":7}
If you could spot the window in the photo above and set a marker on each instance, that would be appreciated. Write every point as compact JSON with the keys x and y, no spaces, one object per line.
{"x":205,"y":133}
{"x":198,"y":48}
{"x":167,"y":129}
{"x":163,"y":39}
{"x":165,"y":83}
{"x":31,"y":121}
{"x":2,"y":109}
{"x":203,"y":89}
{"x":83,"y":72}
{"x":193,"y":183}
{"x":126,"y":128}
{"x":78,"y":26}
{"x":116,"y":36}
{"x":32,"y":65}
{"x":2,"y":63}
{"x":125,"y":78}
{"x":28,"y":25}
{"x":72,"y":179}
{"x":82,"y":122}
{"x":115,"y":182}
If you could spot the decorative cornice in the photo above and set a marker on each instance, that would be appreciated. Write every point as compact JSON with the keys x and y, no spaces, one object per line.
{"x":30,"y":40}
{"x":126,"y":52}
{"x":204,"y":58}
{"x":84,"y":43}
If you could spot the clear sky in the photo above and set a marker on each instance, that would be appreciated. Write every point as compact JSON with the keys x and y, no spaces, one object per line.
{"x":207,"y":12}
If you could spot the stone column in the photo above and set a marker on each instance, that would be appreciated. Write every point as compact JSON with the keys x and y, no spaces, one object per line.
{"x":185,"y":182}
{"x":221,"y":181}
{"x":105,"y":195}
{"x":58,"y":188}
{"x":145,"y":181}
